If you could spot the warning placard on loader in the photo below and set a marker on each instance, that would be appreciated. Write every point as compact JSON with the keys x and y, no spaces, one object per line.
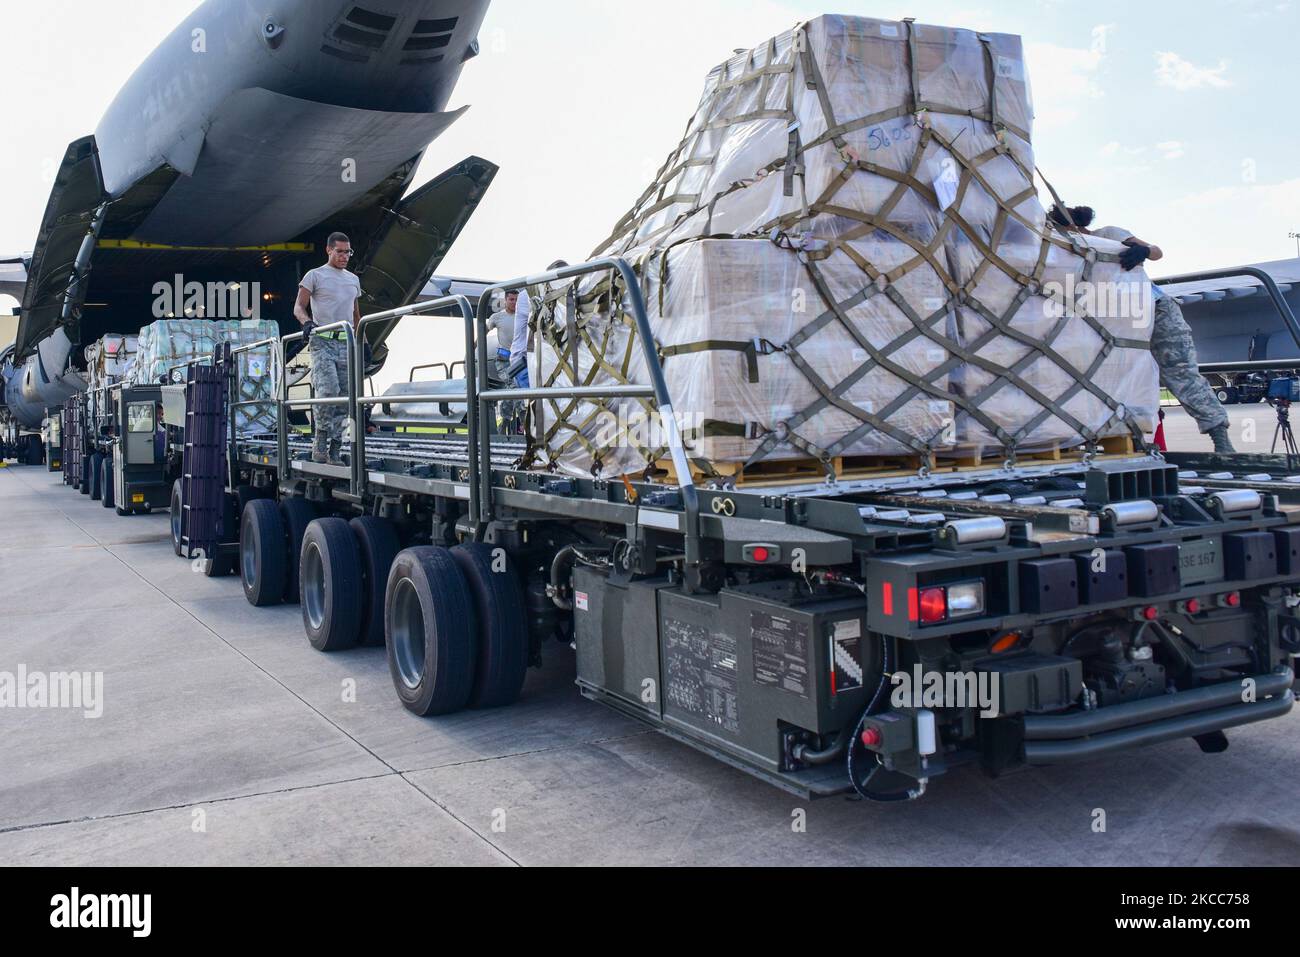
{"x":780,"y":652}
{"x":700,"y":673}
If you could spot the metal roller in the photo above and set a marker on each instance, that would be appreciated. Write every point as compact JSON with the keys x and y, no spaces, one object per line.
{"x":1132,"y":513}
{"x":971,"y":530}
{"x":1237,"y":500}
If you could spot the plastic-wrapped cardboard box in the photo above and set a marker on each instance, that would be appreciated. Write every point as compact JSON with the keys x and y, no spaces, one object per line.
{"x":846,"y":255}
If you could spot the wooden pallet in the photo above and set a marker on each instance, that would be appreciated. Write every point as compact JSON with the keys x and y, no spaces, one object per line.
{"x":849,"y":468}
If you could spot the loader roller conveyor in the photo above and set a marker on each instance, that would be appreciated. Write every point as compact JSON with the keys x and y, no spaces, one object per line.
{"x":505,"y":453}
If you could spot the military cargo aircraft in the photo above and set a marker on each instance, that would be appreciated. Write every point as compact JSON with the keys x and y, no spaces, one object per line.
{"x":252,"y":132}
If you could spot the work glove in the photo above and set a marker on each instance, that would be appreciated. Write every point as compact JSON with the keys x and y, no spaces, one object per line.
{"x":1134,"y":255}
{"x":307,"y":329}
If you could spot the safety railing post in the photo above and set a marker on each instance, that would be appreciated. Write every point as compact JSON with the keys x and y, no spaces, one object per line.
{"x":657,"y":389}
{"x":470,"y":398}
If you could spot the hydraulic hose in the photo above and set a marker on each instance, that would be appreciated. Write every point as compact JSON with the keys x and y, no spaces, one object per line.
{"x":561,"y":566}
{"x":806,"y":755}
{"x":861,"y":786}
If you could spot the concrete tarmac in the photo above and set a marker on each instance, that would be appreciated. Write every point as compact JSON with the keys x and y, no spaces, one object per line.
{"x":225,"y":739}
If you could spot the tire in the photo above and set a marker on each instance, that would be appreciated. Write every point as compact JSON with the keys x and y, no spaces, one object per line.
{"x":106,"y":482}
{"x":176,"y":513}
{"x":245,"y":494}
{"x":329,"y":585}
{"x":222,"y":566}
{"x":225,"y":564}
{"x":34,"y":454}
{"x":431,"y":632}
{"x":262,"y":556}
{"x":96,"y":476}
{"x":503,"y":629}
{"x":1223,"y":395}
{"x":379,"y":545}
{"x":297,"y":514}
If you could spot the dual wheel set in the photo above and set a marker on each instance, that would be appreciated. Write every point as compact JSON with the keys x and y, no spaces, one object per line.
{"x":453,"y":620}
{"x":97,"y":481}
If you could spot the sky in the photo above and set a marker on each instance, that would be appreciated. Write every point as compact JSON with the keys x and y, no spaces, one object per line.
{"x":1173,"y":119}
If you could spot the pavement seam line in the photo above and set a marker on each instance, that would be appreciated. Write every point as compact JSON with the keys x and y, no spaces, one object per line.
{"x":465,"y":824}
{"x":93,"y":818}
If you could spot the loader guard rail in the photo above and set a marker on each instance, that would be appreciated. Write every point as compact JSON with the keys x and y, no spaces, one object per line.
{"x":473,"y":419}
{"x":1274,"y":293}
{"x":657,"y":390}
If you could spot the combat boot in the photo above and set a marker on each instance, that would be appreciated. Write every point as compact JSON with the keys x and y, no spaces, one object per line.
{"x":1222,"y":441}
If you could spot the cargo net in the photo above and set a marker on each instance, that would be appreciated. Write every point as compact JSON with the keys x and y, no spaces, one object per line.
{"x":168,"y":347}
{"x":846,"y":256}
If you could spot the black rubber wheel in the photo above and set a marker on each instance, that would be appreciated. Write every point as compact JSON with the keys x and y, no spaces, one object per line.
{"x":106,"y":482}
{"x":329,"y":585}
{"x":297,"y":514}
{"x":176,"y":518}
{"x":431,"y":629}
{"x":96,"y":476}
{"x":503,"y":624}
{"x":35,"y":451}
{"x":377,"y":539}
{"x":220,"y":567}
{"x":262,"y":556}
{"x":246,"y":493}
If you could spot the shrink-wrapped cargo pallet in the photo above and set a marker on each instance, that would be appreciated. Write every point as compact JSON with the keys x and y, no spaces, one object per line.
{"x":847,"y":256}
{"x":108,"y":359}
{"x":170,"y":344}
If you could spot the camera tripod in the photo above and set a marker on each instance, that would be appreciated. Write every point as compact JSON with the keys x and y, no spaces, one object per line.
{"x":1284,"y":434}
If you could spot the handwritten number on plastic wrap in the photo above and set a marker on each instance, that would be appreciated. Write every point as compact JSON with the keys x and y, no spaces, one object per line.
{"x":878,"y":138}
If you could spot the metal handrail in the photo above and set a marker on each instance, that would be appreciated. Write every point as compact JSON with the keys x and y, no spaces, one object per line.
{"x":471,"y":415}
{"x":657,"y":389}
{"x":450,"y":368}
{"x":1270,"y":285}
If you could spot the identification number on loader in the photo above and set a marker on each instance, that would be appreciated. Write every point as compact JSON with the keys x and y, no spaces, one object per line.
{"x":1201,"y":561}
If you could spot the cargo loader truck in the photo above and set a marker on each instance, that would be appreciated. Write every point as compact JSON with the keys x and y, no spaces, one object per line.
{"x":1042,"y":612}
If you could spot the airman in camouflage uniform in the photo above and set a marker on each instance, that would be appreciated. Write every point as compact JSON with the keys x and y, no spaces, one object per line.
{"x":1171,"y":337}
{"x":1175,"y":352}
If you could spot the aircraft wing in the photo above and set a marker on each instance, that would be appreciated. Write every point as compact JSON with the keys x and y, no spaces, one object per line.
{"x":63,"y":247}
{"x":13,"y":276}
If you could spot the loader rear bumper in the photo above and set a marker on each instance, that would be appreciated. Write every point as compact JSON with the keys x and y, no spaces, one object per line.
{"x":1060,"y":739}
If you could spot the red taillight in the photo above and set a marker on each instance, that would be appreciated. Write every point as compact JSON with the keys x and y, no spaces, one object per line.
{"x":872,"y":738}
{"x":1193,"y":606}
{"x":1232,"y":600}
{"x":1151,"y":614}
{"x":761,"y":555}
{"x":934,"y":605}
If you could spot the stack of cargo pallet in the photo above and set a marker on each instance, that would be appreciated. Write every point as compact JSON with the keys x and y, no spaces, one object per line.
{"x":108,"y":359}
{"x":846,"y":260}
{"x":169,"y":345}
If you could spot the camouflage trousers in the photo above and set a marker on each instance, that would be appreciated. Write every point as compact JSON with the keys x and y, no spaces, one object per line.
{"x":1175,"y":353}
{"x":329,"y":378}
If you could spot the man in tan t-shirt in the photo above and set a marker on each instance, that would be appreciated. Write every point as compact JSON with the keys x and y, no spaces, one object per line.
{"x":333,"y":295}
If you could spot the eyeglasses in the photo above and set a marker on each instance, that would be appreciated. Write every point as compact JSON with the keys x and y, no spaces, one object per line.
{"x":343,"y":252}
